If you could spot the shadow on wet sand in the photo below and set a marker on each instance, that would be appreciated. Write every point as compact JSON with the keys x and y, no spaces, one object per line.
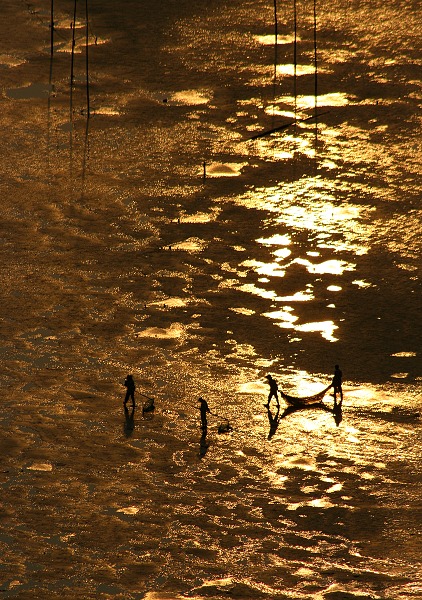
{"x":274,"y":419}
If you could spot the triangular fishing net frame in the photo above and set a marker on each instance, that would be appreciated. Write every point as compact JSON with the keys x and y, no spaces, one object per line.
{"x":305,"y":400}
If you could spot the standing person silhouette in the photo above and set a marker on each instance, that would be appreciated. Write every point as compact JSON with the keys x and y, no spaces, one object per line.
{"x":273,"y":391}
{"x":130,"y":390}
{"x":336,"y":384}
{"x":204,"y":410}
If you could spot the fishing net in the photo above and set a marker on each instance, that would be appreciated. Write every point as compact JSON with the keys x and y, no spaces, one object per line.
{"x":304,"y":400}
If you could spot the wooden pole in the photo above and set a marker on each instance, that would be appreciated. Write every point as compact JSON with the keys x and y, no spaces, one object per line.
{"x":295,"y":57}
{"x":87,"y":60}
{"x":72,"y":79}
{"x":316,"y":78}
{"x":50,"y":84}
{"x":51,"y":27}
{"x":72,"y":59}
{"x":275,"y":51}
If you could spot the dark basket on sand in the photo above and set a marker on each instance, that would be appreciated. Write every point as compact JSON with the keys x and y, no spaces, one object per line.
{"x":148,"y":405}
{"x":225,"y":427}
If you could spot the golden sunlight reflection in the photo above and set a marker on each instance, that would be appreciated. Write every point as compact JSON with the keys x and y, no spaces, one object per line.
{"x":251,"y":288}
{"x":269,"y":40}
{"x":294,"y":462}
{"x":283,"y":154}
{"x":199,"y":217}
{"x":39,"y":466}
{"x":191,"y":97}
{"x":305,"y":573}
{"x":169,"y":302}
{"x":325,"y":328}
{"x":277,"y":479}
{"x":273,"y":109}
{"x":79,"y":46}
{"x":176,"y":330}
{"x":298,"y":297}
{"x":303,"y":205}
{"x":289,"y":69}
{"x":334,"y":488}
{"x":224,"y":169}
{"x":287,"y":321}
{"x":321,"y":503}
{"x":362,"y":284}
{"x":62,"y":22}
{"x":275,"y":240}
{"x":301,"y":384}
{"x":282,"y":315}
{"x":110,"y":111}
{"x":334,"y":267}
{"x":240,"y":350}
{"x":328,"y":164}
{"x":319,"y":214}
{"x":253,"y":387}
{"x":243,"y":311}
{"x":282,"y":252}
{"x":163,"y":596}
{"x":129,"y":510}
{"x":190,"y":245}
{"x":11,"y":61}
{"x":271,"y":269}
{"x":307,"y":102}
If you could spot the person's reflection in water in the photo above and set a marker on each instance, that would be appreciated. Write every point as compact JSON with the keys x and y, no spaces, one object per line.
{"x":337,"y":412}
{"x":129,"y":424}
{"x":203,"y":444}
{"x":273,"y":421}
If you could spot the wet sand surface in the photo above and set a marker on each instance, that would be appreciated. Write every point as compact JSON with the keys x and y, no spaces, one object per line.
{"x":296,"y":251}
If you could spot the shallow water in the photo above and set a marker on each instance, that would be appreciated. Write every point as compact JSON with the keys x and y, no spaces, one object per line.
{"x":158,"y":238}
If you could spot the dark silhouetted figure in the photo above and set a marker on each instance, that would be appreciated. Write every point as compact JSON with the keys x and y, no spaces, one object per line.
{"x":273,"y":391}
{"x":130,"y":390}
{"x":129,"y":421}
{"x":336,"y":383}
{"x":204,"y":410}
